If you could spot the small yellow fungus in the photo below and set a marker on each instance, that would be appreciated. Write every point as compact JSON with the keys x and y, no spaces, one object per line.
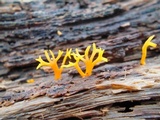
{"x":30,"y":81}
{"x":89,"y":62}
{"x":52,"y":62}
{"x":59,"y":33}
{"x":144,"y":49}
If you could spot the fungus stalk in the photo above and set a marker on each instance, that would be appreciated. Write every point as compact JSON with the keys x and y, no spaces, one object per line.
{"x":144,"y":48}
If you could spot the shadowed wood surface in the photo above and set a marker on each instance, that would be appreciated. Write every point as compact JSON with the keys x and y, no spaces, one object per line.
{"x":118,"y":89}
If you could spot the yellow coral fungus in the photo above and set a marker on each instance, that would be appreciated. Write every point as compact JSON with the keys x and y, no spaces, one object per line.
{"x":144,"y":49}
{"x":52,"y":62}
{"x":30,"y":81}
{"x":88,"y":61}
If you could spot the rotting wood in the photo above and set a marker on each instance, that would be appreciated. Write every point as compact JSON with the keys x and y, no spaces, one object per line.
{"x":113,"y":90}
{"x":70,"y":106}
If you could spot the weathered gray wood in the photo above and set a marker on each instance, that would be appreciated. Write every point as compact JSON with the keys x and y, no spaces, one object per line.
{"x":144,"y":80}
{"x":119,"y":89}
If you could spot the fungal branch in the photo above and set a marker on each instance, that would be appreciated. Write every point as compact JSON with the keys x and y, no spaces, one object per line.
{"x":52,"y":61}
{"x":88,"y":61}
{"x":144,"y":48}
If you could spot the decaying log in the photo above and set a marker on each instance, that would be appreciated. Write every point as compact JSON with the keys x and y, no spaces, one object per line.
{"x":139,"y":90}
{"x":118,"y":89}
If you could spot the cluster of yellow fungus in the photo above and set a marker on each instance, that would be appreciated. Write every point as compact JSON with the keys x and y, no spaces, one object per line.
{"x":90,"y":62}
{"x":52,"y":61}
{"x":144,"y":48}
